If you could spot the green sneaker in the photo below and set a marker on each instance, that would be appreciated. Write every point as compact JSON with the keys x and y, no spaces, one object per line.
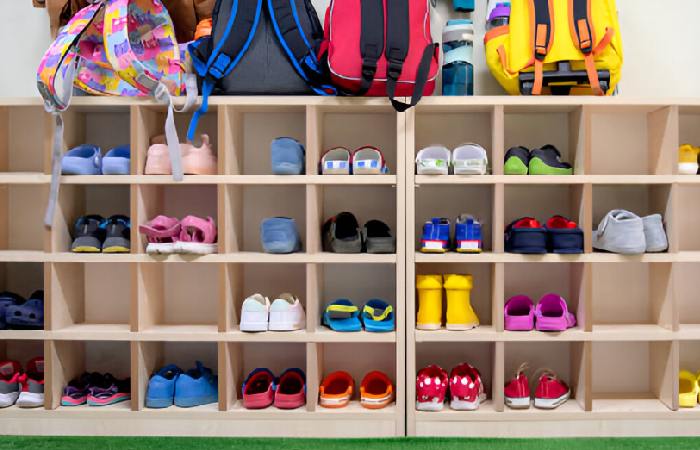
{"x":547,"y":161}
{"x":516,"y":161}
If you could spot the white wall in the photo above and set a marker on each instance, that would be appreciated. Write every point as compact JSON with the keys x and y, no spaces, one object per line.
{"x":662,"y":58}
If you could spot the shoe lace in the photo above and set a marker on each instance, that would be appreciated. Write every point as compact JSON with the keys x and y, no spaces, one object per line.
{"x":521,"y":369}
{"x":543,"y":371}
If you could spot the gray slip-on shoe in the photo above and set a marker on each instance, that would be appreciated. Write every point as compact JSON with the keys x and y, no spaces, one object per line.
{"x":654,"y":233}
{"x":621,"y":232}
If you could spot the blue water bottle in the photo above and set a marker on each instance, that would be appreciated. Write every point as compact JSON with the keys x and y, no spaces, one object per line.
{"x":458,"y":48}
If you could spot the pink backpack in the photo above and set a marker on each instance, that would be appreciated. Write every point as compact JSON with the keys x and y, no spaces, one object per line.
{"x":382,"y":47}
{"x":119,"y":48}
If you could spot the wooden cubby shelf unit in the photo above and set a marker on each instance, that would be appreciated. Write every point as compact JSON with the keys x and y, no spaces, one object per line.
{"x":131,"y":313}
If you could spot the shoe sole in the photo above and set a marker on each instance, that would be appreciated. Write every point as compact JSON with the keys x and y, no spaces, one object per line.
{"x":189,"y":402}
{"x":160,"y":248}
{"x":116,"y":249}
{"x":8,"y":399}
{"x":30,"y":400}
{"x":159,"y":403}
{"x":463,"y":405}
{"x":85,"y":249}
{"x":517,"y":403}
{"x":429,"y":406}
{"x":461,"y":327}
{"x":195,"y":248}
{"x":551,"y":403}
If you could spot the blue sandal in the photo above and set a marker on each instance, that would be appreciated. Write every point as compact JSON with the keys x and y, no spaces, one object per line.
{"x":28,"y":315}
{"x":378,"y":316}
{"x":8,"y":299}
{"x":342,"y":315}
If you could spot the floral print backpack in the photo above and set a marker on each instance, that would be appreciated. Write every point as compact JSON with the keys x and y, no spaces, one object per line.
{"x":118,"y":48}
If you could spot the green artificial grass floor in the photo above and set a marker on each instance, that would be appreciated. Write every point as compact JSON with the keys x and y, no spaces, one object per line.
{"x":171,"y":443}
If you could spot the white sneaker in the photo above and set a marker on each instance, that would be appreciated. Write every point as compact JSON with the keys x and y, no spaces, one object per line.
{"x":255,"y":313}
{"x":287,"y":314}
{"x":470,"y":159}
{"x":621,"y":232}
{"x":433,"y":160}
{"x":655,"y":234}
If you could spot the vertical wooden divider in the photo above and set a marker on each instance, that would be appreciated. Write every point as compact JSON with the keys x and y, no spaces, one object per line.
{"x":146,"y":357}
{"x":497,"y":296}
{"x":663,"y":136}
{"x":150,"y":300}
{"x":580,"y":368}
{"x":64,"y":360}
{"x":497,"y":139}
{"x":314,"y":373}
{"x":498,"y":218}
{"x":4,"y":166}
{"x":664,"y":360}
{"x":580,"y":139}
{"x":409,"y":310}
{"x":314,"y":296}
{"x":498,"y":375}
{"x":144,"y":121}
{"x":314,"y":192}
{"x":402,"y":213}
{"x":230,"y":356}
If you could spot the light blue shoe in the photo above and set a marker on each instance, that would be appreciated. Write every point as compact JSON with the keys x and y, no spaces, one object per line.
{"x":161,"y":387}
{"x":84,"y":159}
{"x":198,"y":386}
{"x":287,"y":156}
{"x":280,"y":235}
{"x":378,"y":316}
{"x":117,"y":161}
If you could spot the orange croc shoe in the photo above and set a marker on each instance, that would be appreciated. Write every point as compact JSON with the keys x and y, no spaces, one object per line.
{"x":336,"y":390}
{"x":376,"y":390}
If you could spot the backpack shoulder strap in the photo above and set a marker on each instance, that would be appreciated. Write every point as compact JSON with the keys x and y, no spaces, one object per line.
{"x":583,"y":35}
{"x":397,"y":43}
{"x":61,"y":57}
{"x":542,"y":15}
{"x":371,"y":41}
{"x":299,"y":44}
{"x":213,"y":57}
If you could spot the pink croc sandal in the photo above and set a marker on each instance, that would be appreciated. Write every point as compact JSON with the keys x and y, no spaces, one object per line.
{"x":162,"y":233}
{"x":197,"y":236}
{"x":553,"y":314}
{"x":198,"y":160}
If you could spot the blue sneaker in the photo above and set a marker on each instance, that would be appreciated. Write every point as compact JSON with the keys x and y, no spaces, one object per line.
{"x":198,"y":386}
{"x":287,"y":156}
{"x":468,"y":234}
{"x":28,"y":315}
{"x":436,"y":236}
{"x":280,"y":235}
{"x":8,"y":299}
{"x":161,"y":387}
{"x":82,"y":160}
{"x":117,"y":161}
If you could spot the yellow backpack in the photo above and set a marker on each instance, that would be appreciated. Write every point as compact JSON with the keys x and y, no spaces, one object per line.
{"x":557,"y":46}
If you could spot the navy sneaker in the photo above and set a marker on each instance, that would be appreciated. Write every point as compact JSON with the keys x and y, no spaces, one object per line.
{"x":436,"y":236}
{"x":89,"y":234}
{"x":117,"y":235}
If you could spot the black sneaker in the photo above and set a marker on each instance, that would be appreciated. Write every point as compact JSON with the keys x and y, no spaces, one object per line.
{"x":88,"y":234}
{"x":118,"y":235}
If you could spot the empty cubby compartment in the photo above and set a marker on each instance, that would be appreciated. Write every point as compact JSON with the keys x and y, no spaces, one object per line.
{"x":23,"y":132}
{"x":23,"y":226}
{"x":685,"y":276}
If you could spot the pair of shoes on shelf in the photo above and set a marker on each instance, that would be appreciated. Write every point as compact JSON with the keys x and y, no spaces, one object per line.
{"x":365,"y":160}
{"x":195,"y":160}
{"x":87,"y":159}
{"x":342,"y":315}
{"x":540,"y":161}
{"x":342,"y":234}
{"x":467,"y":235}
{"x":463,"y":387}
{"x":287,"y":156}
{"x":22,"y":388}
{"x":94,"y":234}
{"x":550,"y":314}
{"x":688,"y":158}
{"x":96,"y":389}
{"x":170,"y":385}
{"x":467,"y":159}
{"x":279,"y":235}
{"x":284,"y":314}
{"x":558,"y":235}
{"x":626,"y":233}
{"x":460,"y":314}
{"x":18,"y":313}
{"x":688,"y":389}
{"x":261,"y":389}
{"x":191,"y":235}
{"x":550,"y":391}
{"x":337,"y":389}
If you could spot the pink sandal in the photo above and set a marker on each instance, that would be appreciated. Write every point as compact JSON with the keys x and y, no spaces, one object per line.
{"x":162,"y":234}
{"x":197,"y":236}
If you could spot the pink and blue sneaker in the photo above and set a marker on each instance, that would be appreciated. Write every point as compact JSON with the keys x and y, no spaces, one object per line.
{"x":436,"y":236}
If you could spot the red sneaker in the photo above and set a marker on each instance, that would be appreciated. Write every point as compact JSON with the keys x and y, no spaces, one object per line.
{"x":466,"y":388}
{"x":431,"y":388}
{"x":32,"y":395}
{"x":9,"y":383}
{"x":517,"y":390}
{"x":551,"y":391}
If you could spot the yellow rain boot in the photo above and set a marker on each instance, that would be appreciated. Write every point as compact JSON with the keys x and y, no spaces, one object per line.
{"x":460,"y":314}
{"x":688,"y":159}
{"x":429,"y":302}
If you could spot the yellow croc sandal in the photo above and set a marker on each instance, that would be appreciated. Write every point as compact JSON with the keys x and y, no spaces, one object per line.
{"x":688,"y":159}
{"x":688,"y":389}
{"x":460,"y":314}
{"x":429,"y":302}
